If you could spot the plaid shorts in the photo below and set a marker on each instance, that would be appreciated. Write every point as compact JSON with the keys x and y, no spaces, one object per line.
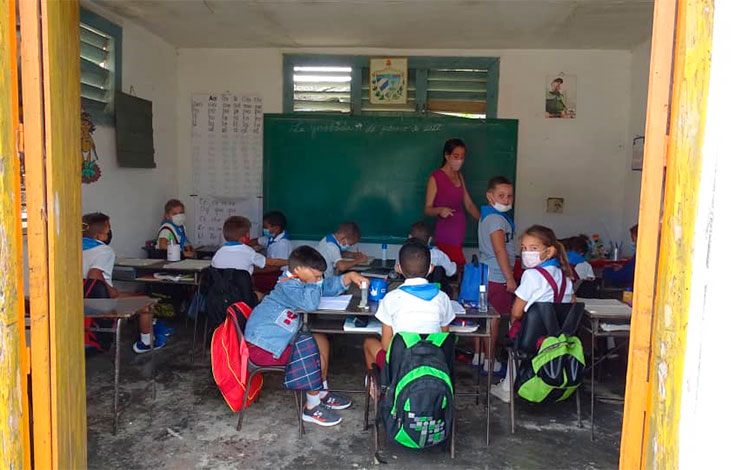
{"x":303,"y":370}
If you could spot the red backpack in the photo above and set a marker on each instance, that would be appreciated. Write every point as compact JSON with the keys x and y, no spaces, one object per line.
{"x":229,"y":354}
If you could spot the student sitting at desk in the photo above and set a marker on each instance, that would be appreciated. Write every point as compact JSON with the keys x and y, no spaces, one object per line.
{"x":274,"y":240}
{"x":173,"y":228}
{"x":547,"y":278}
{"x":273,"y":325}
{"x":334,"y":248}
{"x":421,"y":231}
{"x":415,"y":307}
{"x":99,"y":261}
{"x":623,"y":276}
{"x":237,"y":255}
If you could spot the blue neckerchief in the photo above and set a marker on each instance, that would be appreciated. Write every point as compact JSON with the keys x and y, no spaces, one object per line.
{"x":486,"y":210}
{"x":423,"y":291}
{"x":331,"y":239}
{"x":575,"y":258}
{"x":550,"y":262}
{"x":180,"y":231}
{"x":232,"y":243}
{"x":89,"y":243}
{"x":272,"y":240}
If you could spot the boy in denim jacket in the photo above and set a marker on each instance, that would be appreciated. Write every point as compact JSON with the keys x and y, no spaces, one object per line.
{"x":274,"y":323}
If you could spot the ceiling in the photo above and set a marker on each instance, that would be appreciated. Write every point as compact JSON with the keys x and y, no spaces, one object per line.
{"x":433,"y":24}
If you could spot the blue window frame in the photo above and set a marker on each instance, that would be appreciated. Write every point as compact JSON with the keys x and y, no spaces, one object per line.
{"x":463,"y":86}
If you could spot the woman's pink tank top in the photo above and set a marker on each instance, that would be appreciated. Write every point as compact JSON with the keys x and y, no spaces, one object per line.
{"x":450,"y":231}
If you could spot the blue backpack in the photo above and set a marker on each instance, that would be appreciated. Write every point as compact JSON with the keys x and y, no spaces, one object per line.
{"x":475,"y":274}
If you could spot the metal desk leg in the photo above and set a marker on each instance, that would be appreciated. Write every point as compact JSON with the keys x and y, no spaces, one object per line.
{"x":153,"y":365}
{"x":195,"y":333}
{"x":491,"y":353}
{"x":510,"y":375}
{"x":593,"y":378}
{"x":118,"y":324}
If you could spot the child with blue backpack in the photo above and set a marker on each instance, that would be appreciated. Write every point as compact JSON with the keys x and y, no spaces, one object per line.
{"x":547,"y":277}
{"x":274,"y":324}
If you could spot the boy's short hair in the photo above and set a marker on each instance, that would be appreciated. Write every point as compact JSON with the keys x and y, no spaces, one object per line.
{"x":350,"y":230}
{"x":306,"y":257}
{"x":171,"y":204}
{"x":634,"y":230}
{"x":275,"y":219}
{"x":94,"y":224}
{"x":497,"y":181}
{"x":414,"y":258}
{"x":578,"y":244}
{"x":421,"y":230}
{"x":235,"y":227}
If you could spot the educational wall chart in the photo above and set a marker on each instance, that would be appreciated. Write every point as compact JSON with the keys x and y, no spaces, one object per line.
{"x":227,"y":155}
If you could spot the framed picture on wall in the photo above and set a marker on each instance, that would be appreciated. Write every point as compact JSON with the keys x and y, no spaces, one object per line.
{"x":560,"y":96}
{"x":388,"y":80}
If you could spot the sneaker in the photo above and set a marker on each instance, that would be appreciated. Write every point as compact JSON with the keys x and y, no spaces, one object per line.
{"x":160,"y":329}
{"x":498,"y":369}
{"x":140,"y":348}
{"x":500,"y":392}
{"x":476,"y":360}
{"x":320,"y":416}
{"x":334,"y":401}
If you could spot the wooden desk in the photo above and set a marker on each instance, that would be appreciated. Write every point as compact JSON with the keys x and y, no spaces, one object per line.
{"x":118,"y":310}
{"x":604,"y":318}
{"x":332,"y":322}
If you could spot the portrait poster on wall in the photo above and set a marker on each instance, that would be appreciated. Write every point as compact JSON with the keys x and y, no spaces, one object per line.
{"x":560,"y":96}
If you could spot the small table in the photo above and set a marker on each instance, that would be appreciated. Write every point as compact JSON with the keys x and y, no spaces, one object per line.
{"x":119,"y":309}
{"x":605,"y":318}
{"x":332,"y":322}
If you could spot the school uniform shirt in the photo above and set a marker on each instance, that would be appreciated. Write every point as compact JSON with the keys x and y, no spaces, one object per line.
{"x":98,"y":255}
{"x":585,"y":271}
{"x":179,"y":234}
{"x":535,"y":288}
{"x":416,"y":307}
{"x":235,"y":255}
{"x":439,"y":258}
{"x":331,"y":249}
{"x":491,"y":221}
{"x":277,"y":247}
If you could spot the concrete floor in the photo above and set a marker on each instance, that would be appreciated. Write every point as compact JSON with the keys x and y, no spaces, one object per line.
{"x":190,"y":426}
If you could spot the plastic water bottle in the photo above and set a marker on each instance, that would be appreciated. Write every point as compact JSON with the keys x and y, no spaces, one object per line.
{"x":482,"y":298}
{"x":384,"y":252}
{"x":173,"y":250}
{"x":363,"y":293}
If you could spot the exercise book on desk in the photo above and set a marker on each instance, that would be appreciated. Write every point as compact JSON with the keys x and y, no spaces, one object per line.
{"x":189,"y":265}
{"x":337,"y":303}
{"x":137,"y":262}
{"x":458,"y":309}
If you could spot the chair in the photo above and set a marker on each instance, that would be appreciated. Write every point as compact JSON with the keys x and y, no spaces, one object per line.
{"x":542,"y":319}
{"x":382,"y":380}
{"x":222,"y":288}
{"x":254,"y":369}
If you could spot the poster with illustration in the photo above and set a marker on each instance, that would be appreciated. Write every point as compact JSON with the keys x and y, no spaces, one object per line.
{"x":560,"y":96}
{"x":388,"y":80}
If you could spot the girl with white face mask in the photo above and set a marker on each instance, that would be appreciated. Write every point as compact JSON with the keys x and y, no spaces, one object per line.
{"x":173,"y":228}
{"x":547,"y":278}
{"x":446,"y":198}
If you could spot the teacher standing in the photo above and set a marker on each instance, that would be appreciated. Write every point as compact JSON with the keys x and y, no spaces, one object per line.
{"x":446,"y":199}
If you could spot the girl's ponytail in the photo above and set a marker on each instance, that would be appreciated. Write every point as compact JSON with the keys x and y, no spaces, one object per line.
{"x":562,"y":258}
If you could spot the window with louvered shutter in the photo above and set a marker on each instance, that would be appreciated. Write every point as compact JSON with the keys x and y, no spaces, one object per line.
{"x":459,"y":92}
{"x":322,"y":89}
{"x":101,"y":50}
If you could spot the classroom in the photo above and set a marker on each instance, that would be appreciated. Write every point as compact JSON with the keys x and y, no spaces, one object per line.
{"x":345,"y":234}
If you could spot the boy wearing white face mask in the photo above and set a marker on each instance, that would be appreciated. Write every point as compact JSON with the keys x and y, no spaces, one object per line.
{"x":173,"y":227}
{"x":497,"y":250}
{"x":547,"y":278}
{"x":335,"y":249}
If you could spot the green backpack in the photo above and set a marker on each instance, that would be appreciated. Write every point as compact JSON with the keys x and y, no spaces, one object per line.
{"x":417,"y":410}
{"x":554,"y":369}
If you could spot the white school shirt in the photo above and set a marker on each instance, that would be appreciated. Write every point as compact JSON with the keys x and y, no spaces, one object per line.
{"x":585,"y":271}
{"x":100,"y":257}
{"x":535,"y":288}
{"x":406,"y":312}
{"x":332,"y":253}
{"x":280,"y":247}
{"x":165,"y":230}
{"x":237,"y":257}
{"x":438,"y":258}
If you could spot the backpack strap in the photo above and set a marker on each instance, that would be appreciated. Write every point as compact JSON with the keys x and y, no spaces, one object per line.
{"x":559,"y":293}
{"x":232,"y":312}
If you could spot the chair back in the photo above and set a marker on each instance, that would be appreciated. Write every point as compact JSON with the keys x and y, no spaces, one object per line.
{"x":547,"y":319}
{"x":224,"y":287}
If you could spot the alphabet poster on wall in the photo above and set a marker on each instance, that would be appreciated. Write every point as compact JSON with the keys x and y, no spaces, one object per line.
{"x":211,"y":212}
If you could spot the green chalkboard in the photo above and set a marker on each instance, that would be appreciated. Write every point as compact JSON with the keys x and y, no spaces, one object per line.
{"x":322,"y":170}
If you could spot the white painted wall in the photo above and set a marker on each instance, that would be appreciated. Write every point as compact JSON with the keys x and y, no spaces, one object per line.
{"x":134,"y":198}
{"x":585,"y":160}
